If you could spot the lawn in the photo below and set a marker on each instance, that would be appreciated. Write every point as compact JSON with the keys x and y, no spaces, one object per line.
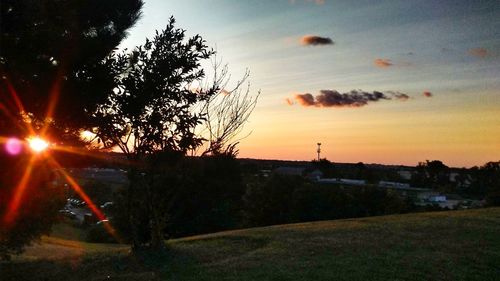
{"x":457,"y":245}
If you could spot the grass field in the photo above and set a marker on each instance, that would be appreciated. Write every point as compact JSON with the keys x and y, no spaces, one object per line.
{"x":459,"y":245}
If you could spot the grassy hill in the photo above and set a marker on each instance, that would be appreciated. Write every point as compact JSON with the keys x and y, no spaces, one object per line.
{"x":459,"y":245}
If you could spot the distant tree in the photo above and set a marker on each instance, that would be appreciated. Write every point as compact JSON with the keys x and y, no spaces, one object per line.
{"x":486,"y":182}
{"x":51,"y":79}
{"x":326,"y":167}
{"x":366,"y":173}
{"x":431,"y":174}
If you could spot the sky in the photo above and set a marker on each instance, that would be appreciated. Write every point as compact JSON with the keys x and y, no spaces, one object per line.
{"x":391,"y":82}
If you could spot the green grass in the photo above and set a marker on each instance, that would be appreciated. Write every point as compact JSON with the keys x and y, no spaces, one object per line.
{"x":459,"y":245}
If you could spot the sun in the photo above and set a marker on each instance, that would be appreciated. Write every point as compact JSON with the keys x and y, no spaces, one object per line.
{"x":37,"y":144}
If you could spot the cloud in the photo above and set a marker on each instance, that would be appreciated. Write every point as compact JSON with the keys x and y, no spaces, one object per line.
{"x":313,"y":40}
{"x":399,"y":96}
{"x":354,"y":98}
{"x":305,"y":99}
{"x":427,"y":94}
{"x":383,"y":63}
{"x":479,"y":52}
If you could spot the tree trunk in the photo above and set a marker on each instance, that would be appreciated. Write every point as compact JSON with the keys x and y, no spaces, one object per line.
{"x":156,"y":227}
{"x":132,"y":212}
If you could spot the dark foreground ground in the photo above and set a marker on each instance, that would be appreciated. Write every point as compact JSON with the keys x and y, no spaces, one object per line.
{"x":459,"y":245}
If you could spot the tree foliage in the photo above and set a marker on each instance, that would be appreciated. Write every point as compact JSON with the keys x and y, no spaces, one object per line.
{"x":37,"y":211}
{"x":152,"y":107}
{"x":431,"y":174}
{"x":53,"y":50}
{"x":486,"y":182}
{"x":51,"y":79}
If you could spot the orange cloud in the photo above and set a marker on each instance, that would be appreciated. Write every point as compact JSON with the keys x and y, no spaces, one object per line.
{"x":427,"y":94}
{"x":289,"y":101}
{"x":313,"y":40}
{"x":479,"y":52}
{"x":383,"y":63}
{"x":305,"y":99}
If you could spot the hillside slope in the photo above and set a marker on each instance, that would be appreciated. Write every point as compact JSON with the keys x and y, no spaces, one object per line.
{"x":459,"y":245}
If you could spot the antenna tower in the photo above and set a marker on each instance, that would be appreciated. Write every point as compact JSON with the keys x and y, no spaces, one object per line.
{"x":319,"y":151}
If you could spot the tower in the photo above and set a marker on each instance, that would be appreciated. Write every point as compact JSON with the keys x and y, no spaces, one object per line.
{"x":319,"y":151}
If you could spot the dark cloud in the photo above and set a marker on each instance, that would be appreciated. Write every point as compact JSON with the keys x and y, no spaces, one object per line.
{"x":313,"y":40}
{"x":354,"y":98}
{"x":305,"y":99}
{"x":479,"y":52}
{"x":399,"y":96}
{"x":427,"y":94}
{"x":383,"y":63}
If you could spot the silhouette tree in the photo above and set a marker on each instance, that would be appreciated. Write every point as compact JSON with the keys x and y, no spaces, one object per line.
{"x":486,"y":182}
{"x":432,"y":174}
{"x":153,"y":115}
{"x":152,"y":107}
{"x":154,"y":111}
{"x":52,"y":77}
{"x":51,"y":53}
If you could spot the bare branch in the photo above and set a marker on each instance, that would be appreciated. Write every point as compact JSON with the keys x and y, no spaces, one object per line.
{"x":227,"y":111}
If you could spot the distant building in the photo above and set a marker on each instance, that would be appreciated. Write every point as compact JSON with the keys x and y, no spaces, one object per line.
{"x":405,"y":175}
{"x":315,"y":175}
{"x":393,"y":184}
{"x":264,"y":173}
{"x":109,"y":176}
{"x":343,"y":181}
{"x":424,"y":195}
{"x":437,"y":198}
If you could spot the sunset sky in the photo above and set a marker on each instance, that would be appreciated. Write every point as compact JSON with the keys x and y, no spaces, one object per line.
{"x":425,"y":75}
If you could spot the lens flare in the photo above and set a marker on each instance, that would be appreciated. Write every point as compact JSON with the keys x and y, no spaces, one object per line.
{"x":13,"y":146}
{"x":37,"y":144}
